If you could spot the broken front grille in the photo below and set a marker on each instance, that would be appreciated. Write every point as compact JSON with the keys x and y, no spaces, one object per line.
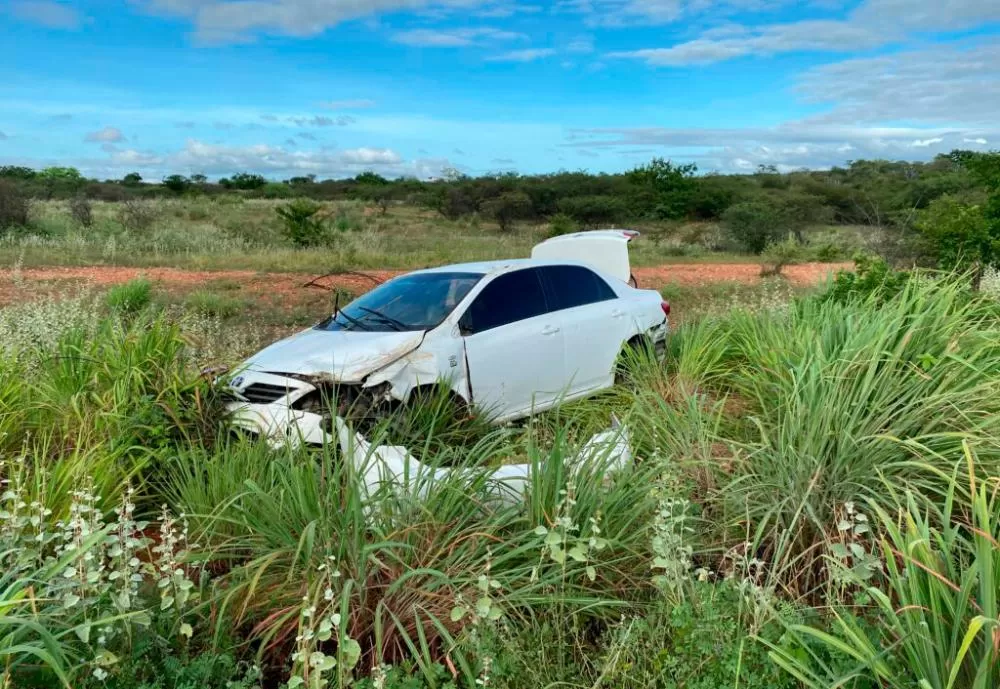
{"x":264,"y":393}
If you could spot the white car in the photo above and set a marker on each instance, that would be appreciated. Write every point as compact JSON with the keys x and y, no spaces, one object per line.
{"x":509,"y":338}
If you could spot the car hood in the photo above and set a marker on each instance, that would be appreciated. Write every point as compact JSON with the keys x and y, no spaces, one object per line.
{"x":347,"y":356}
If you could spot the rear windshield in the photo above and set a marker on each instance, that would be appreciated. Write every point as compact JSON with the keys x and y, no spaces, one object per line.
{"x":407,"y":303}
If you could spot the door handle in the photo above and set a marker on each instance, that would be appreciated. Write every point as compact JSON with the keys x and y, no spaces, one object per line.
{"x":550,"y":330}
{"x":617,"y":313}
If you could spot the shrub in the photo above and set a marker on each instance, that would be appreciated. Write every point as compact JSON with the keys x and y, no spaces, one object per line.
{"x":506,"y":208}
{"x":753,"y":224}
{"x":136,"y":215}
{"x":777,"y":255}
{"x":131,"y":297}
{"x":593,"y":211}
{"x":81,"y":211}
{"x":959,"y":236}
{"x":301,"y":224}
{"x":15,"y":205}
{"x":871,"y":280}
{"x":560,"y":224}
{"x":177,"y":183}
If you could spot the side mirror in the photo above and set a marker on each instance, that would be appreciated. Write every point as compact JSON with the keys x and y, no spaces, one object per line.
{"x":464,"y":327}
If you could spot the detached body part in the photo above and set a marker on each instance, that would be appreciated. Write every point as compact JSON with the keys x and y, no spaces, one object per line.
{"x":508,"y":338}
{"x":394,"y":467}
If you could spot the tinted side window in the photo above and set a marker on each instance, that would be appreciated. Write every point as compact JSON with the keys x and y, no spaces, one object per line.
{"x":570,"y":286}
{"x":509,"y":298}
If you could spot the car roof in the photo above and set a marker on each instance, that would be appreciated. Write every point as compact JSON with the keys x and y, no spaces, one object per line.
{"x":501,"y":266}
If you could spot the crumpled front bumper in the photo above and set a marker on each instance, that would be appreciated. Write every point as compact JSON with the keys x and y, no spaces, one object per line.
{"x":277,"y":424}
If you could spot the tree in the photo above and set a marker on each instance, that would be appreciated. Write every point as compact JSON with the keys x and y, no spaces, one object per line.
{"x":132,"y":179}
{"x":302,"y":226}
{"x":177,"y":183}
{"x":371,"y":178}
{"x":959,"y":236}
{"x":754,"y":224}
{"x":508,"y":207}
{"x":670,"y":185}
{"x":16,"y":172}
{"x":198,"y":179}
{"x":246,"y":180}
{"x":593,"y":211}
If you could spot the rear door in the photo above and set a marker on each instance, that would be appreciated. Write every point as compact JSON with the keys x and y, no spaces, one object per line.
{"x":514,"y":347}
{"x":595,"y":322}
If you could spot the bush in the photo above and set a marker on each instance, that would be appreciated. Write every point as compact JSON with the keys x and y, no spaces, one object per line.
{"x":15,"y":206}
{"x":301,"y":224}
{"x":777,"y":255}
{"x":81,"y":211}
{"x":872,"y":279}
{"x":131,"y":297}
{"x":506,"y":208}
{"x":593,"y":211}
{"x":753,"y":224}
{"x":560,"y":224}
{"x":135,"y":215}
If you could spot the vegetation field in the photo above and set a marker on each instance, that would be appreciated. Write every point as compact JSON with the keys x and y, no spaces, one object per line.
{"x":812,"y":501}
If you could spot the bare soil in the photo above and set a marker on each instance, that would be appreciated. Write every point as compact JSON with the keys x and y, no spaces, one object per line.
{"x":289,"y":286}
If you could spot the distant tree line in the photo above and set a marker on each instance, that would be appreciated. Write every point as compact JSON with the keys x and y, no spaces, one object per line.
{"x":759,"y":208}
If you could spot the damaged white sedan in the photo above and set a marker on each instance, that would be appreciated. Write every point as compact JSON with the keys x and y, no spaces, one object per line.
{"x":507,"y":338}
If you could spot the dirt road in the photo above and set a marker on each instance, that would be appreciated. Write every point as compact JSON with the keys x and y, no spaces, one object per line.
{"x":54,"y":278}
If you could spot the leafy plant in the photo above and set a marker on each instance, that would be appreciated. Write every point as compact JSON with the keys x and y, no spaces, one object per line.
{"x":302,"y":224}
{"x":939,"y":614}
{"x":131,"y":297}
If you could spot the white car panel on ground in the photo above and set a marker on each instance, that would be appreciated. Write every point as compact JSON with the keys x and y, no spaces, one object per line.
{"x":509,"y":338}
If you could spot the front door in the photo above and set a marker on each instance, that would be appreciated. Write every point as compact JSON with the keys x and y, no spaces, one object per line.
{"x":514,"y":347}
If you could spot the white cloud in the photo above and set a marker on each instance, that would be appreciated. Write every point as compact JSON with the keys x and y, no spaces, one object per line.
{"x":872,"y":24}
{"x":227,"y":20}
{"x":321,"y":121}
{"x":221,"y":159}
{"x":106,"y":135}
{"x":355,"y":104}
{"x":980,"y":141}
{"x":526,"y":55}
{"x":53,"y":15}
{"x":924,"y":143}
{"x":453,"y":38}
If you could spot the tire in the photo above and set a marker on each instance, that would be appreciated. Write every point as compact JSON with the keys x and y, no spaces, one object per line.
{"x":630,"y":350}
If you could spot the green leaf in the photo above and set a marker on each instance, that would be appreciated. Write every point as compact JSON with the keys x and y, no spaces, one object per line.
{"x":591,"y":572}
{"x":494,"y":614}
{"x":166,"y":602}
{"x":557,"y":555}
{"x":483,"y":606}
{"x":295,"y":681}
{"x":186,"y":630}
{"x":70,"y":599}
{"x":83,"y":632}
{"x":351,"y":653}
{"x":839,"y":550}
{"x":458,"y":613}
{"x":540,"y":530}
{"x":553,"y":538}
{"x":578,"y":553}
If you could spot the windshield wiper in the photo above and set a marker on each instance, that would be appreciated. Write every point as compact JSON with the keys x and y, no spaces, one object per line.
{"x":397,"y":325}
{"x":350,"y":319}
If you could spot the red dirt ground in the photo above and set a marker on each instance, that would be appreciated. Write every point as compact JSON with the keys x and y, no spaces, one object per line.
{"x":289,"y":285}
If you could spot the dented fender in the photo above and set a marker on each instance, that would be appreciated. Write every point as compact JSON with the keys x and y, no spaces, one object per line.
{"x":440,"y":357}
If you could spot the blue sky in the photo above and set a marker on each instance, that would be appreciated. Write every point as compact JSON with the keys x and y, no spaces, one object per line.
{"x":418,"y":87}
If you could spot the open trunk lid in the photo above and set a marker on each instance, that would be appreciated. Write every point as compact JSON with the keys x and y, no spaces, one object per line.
{"x":606,"y":250}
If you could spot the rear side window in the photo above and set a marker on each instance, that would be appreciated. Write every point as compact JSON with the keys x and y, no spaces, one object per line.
{"x":509,"y":298}
{"x":570,"y":286}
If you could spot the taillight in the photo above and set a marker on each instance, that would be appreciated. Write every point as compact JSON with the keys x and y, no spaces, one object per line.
{"x":665,"y":305}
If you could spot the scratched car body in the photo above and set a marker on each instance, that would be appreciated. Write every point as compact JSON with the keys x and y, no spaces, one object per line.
{"x":509,"y":338}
